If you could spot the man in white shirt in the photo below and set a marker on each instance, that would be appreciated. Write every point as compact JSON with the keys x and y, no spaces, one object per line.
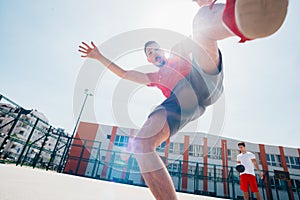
{"x":247,"y":178}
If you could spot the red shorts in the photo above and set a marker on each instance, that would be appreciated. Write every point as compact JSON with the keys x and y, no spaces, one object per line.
{"x":248,"y":180}
{"x":229,"y":19}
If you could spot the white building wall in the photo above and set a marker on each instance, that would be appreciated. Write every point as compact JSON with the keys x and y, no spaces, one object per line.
{"x":22,"y":131}
{"x":291,"y":151}
{"x":272,"y":149}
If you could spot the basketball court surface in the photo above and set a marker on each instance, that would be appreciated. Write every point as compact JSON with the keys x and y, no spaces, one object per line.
{"x":35,"y":184}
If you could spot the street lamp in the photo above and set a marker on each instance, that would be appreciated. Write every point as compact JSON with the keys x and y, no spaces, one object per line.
{"x":86,"y":92}
{"x":66,"y":156}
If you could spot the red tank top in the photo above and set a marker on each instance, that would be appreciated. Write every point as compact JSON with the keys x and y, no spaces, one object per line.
{"x":168,"y":76}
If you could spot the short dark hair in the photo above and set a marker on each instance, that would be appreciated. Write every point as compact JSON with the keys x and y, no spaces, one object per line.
{"x":242,"y":144}
{"x":148,"y":43}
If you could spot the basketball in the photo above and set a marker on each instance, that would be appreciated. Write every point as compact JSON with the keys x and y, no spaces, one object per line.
{"x":240,"y":168}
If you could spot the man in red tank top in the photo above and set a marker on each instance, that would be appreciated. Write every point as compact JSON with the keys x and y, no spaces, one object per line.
{"x":190,"y":85}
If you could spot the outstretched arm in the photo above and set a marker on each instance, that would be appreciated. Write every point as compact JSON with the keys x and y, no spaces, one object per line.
{"x":257,"y":167}
{"x":94,"y":53}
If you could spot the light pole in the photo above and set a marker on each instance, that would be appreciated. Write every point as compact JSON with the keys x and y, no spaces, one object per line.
{"x":66,"y":156}
{"x":86,"y":92}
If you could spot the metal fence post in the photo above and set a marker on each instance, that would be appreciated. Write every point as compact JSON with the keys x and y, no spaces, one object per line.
{"x":196,"y":175}
{"x":96,"y":160}
{"x":53,"y":154}
{"x":61,"y":162}
{"x":10,"y":132}
{"x":215,"y":179}
{"x":111,"y":163}
{"x":41,"y":149}
{"x":232,"y":182}
{"x":179,"y":175}
{"x":80,"y":157}
{"x":27,"y":142}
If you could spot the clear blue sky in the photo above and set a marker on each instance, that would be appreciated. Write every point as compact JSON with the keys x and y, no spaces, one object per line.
{"x":40,"y":63}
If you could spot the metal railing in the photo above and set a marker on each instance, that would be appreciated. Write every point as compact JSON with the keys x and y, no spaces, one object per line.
{"x":30,"y":143}
{"x":90,"y":161}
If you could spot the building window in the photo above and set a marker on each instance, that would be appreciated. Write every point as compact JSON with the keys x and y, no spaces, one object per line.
{"x":297,"y":162}
{"x":121,"y":140}
{"x":171,"y":149}
{"x":21,"y":132}
{"x":176,"y":149}
{"x":292,"y":162}
{"x":232,"y":154}
{"x":173,"y":167}
{"x":196,"y":150}
{"x":214,"y":153}
{"x":273,"y":163}
{"x":191,"y":150}
{"x":273,"y":160}
{"x":181,"y":148}
{"x":162,"y":147}
{"x":279,"y":160}
{"x":191,"y":169}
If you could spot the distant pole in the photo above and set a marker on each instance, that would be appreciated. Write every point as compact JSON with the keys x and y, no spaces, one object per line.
{"x":66,"y":156}
{"x":79,"y":116}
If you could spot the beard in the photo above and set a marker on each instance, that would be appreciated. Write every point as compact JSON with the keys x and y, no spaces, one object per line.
{"x":159,"y":61}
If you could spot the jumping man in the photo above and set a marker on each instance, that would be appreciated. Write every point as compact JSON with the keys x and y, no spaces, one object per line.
{"x":191,"y":78}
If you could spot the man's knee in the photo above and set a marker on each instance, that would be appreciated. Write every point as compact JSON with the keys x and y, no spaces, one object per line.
{"x":201,"y":21}
{"x":142,"y":145}
{"x":246,"y":195}
{"x":208,"y":23}
{"x":152,"y":134}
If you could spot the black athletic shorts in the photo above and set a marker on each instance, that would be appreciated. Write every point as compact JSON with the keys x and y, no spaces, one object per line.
{"x":191,"y":96}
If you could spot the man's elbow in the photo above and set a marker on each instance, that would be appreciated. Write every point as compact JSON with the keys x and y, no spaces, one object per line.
{"x":125,"y":75}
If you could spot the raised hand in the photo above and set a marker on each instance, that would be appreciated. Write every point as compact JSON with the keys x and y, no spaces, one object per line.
{"x":89,"y":52}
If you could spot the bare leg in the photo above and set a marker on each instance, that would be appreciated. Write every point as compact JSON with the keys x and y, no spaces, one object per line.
{"x":254,"y":18}
{"x":257,"y":195}
{"x":208,"y":28}
{"x":246,"y":195}
{"x":153,"y":133}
